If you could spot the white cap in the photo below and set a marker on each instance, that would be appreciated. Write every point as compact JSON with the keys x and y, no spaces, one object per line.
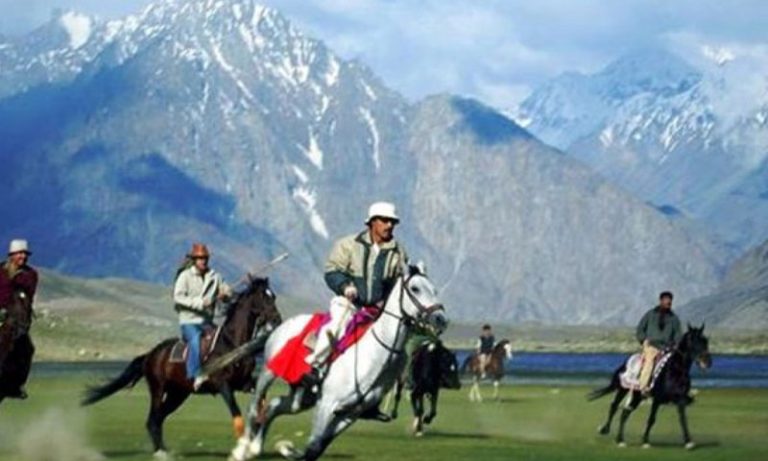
{"x":382,"y":210}
{"x":17,"y":246}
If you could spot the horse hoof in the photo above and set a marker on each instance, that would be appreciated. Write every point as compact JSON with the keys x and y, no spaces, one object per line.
{"x":240,"y":451}
{"x":603,"y":430}
{"x":254,"y":448}
{"x":622,"y":444}
{"x":286,"y":448}
{"x":646,"y":445}
{"x":161,"y":455}
{"x":419,"y":434}
{"x":690,"y":446}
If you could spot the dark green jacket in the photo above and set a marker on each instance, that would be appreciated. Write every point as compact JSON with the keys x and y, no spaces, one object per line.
{"x":352,"y":261}
{"x":649,"y":328}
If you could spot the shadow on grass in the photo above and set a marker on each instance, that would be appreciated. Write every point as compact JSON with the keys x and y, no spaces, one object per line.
{"x":700,"y":445}
{"x":455,"y":435}
{"x":124,"y":453}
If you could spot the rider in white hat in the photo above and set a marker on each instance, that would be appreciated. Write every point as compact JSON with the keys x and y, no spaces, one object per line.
{"x":16,"y":276}
{"x":361,"y":270}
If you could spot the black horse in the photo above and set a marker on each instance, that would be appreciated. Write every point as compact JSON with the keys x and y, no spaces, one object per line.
{"x":672,"y":386}
{"x":252,"y":315}
{"x":433,"y":366}
{"x":18,"y":347}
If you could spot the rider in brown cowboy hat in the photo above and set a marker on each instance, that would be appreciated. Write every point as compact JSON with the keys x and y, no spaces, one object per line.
{"x":15,"y":276}
{"x":195,"y":293}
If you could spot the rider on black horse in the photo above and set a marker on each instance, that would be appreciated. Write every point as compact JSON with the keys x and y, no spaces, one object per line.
{"x":658,"y":330}
{"x":16,"y":276}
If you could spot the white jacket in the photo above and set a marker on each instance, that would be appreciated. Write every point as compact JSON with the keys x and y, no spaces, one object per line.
{"x":192,"y":289}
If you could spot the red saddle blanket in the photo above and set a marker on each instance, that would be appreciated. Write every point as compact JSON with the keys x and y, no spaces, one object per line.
{"x":289,"y":363}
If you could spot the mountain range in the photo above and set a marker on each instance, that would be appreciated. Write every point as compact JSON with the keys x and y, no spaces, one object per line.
{"x":125,"y":141}
{"x":688,"y":134}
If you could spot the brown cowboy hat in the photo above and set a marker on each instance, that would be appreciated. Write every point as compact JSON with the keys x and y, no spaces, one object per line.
{"x":199,"y":250}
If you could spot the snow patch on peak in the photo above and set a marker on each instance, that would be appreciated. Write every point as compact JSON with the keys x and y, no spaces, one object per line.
{"x":368,"y":117}
{"x":307,"y":199}
{"x":369,"y":91}
{"x":313,"y":151}
{"x":332,"y":74}
{"x":78,"y":26}
{"x":719,"y":55}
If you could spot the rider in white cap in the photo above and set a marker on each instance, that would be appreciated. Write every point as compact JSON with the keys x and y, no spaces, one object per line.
{"x":361,"y":270}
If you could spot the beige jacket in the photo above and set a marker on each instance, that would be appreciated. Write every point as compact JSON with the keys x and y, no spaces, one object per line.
{"x":191,"y":291}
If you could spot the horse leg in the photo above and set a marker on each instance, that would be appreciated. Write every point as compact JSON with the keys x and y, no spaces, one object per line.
{"x":625,"y":412}
{"x":605,"y":429}
{"x":164,"y":402}
{"x":417,"y":402}
{"x":650,"y":423}
{"x":326,"y":426}
{"x":432,"y":406}
{"x":238,"y":426}
{"x":496,"y":390}
{"x":398,"y":395}
{"x":689,"y":445}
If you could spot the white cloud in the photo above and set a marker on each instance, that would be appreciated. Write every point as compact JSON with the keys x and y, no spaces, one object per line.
{"x":494,"y":49}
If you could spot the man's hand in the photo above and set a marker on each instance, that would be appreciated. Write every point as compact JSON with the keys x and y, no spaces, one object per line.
{"x":646,"y":343}
{"x":207,"y":302}
{"x":350,"y":292}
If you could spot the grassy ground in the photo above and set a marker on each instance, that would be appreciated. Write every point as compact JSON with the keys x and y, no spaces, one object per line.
{"x":529,"y":423}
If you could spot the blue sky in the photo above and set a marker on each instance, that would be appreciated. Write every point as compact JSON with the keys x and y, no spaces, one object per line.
{"x":495,"y":50}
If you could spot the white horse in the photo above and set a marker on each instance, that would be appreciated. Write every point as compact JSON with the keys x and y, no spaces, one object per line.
{"x":355,"y":382}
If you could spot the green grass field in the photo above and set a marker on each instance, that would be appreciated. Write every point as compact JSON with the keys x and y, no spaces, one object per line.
{"x":529,"y":423}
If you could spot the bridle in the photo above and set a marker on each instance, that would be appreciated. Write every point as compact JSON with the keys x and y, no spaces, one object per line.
{"x":404,"y":317}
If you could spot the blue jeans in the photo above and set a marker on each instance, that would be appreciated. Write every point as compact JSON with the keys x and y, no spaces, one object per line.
{"x":191,"y":334}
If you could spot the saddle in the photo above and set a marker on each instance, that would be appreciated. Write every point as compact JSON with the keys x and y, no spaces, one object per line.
{"x":289,"y":363}
{"x":630,"y":378}
{"x":208,"y":340}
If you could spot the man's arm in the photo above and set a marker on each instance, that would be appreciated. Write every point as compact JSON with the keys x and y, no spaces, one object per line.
{"x":181,"y":294}
{"x":677,"y":330}
{"x":640,"y":332}
{"x":26,"y":280}
{"x":336,"y":268}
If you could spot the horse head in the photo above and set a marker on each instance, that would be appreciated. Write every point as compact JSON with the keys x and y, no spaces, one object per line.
{"x":506,"y":346}
{"x":697,"y":346}
{"x":419,"y":300}
{"x":257,"y":302}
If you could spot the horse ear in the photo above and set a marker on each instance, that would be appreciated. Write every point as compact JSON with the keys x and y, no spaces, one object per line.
{"x":689,"y":326}
{"x":702,"y":327}
{"x":422,"y":267}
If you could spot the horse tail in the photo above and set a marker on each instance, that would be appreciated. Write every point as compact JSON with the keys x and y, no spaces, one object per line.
{"x":128,"y":378}
{"x":613,"y":386}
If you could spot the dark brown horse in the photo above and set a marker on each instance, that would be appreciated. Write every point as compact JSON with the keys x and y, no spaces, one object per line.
{"x":494,"y":370}
{"x":251,"y":316}
{"x":432,"y":367}
{"x":672,"y":386}
{"x":17,"y":347}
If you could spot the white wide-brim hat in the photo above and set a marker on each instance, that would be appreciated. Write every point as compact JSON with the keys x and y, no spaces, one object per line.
{"x":382,"y":210}
{"x":18,"y":246}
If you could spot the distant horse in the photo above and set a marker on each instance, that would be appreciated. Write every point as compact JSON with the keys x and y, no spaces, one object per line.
{"x":671,"y":386}
{"x":252,"y":315}
{"x":14,"y":334}
{"x":493,"y":370}
{"x":433,"y":366}
{"x":356,"y":381}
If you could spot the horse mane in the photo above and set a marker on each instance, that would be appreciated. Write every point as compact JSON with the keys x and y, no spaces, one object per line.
{"x":254,"y":284}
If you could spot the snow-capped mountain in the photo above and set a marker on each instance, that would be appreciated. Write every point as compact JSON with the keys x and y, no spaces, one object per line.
{"x":672,"y":133}
{"x":219,"y":121}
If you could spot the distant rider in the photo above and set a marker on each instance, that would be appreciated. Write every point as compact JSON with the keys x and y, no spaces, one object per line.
{"x":659,"y":329}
